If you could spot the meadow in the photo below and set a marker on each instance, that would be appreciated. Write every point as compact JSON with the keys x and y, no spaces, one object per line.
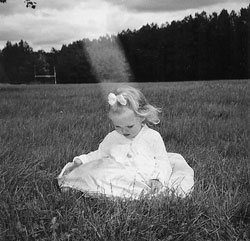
{"x":42,"y":127}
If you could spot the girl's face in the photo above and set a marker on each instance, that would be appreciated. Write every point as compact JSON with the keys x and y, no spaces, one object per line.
{"x":127,"y":123}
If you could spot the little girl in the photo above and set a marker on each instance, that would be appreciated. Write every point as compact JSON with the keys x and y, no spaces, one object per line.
{"x":131,"y":160}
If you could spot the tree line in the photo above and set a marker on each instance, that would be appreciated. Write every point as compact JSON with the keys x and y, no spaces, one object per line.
{"x":200,"y":47}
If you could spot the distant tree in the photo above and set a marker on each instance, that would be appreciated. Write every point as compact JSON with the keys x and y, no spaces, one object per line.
{"x":243,"y":33}
{"x":51,"y":59}
{"x":41,"y":65}
{"x":223,"y":45}
{"x":196,"y":48}
{"x":73,"y":64}
{"x":3,"y":76}
{"x":141,"y":51}
{"x":18,"y":62}
{"x":235,"y":55}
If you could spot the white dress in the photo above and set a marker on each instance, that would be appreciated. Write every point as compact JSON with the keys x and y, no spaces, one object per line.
{"x":122,"y":167}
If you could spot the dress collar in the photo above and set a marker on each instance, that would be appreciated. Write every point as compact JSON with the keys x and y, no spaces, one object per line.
{"x":144,"y":127}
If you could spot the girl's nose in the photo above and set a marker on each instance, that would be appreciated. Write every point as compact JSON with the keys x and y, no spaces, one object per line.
{"x":124,"y":132}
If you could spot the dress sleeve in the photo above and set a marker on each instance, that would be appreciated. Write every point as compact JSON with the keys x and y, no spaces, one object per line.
{"x":102,"y":151}
{"x":163,"y":168}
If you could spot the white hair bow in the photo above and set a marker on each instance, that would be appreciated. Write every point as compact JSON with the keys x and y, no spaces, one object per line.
{"x":112,"y":99}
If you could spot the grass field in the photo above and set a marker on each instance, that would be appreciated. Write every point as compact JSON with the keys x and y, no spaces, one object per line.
{"x":44,"y":126}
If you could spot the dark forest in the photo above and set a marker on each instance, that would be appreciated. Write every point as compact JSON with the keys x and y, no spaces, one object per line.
{"x":199,"y":47}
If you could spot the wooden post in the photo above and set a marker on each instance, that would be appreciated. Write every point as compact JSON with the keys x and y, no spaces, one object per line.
{"x":35,"y":73}
{"x":55,"y":74}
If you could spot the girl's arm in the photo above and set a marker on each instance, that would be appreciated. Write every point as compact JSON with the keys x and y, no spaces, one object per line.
{"x":79,"y":160}
{"x":84,"y":158}
{"x":101,"y":152}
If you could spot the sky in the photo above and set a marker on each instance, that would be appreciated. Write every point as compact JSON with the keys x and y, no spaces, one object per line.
{"x":56,"y":22}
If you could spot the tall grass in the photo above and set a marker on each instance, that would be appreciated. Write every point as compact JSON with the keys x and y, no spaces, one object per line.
{"x":43,"y":127}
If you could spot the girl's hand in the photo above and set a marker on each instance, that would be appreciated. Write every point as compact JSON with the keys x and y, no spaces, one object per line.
{"x":77,"y":161}
{"x":155,"y":185}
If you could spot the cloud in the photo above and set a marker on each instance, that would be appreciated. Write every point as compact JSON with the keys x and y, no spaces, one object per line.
{"x":50,"y":24}
{"x":166,"y":5}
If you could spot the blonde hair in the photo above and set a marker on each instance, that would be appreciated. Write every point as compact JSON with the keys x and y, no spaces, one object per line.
{"x":137,"y":102}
